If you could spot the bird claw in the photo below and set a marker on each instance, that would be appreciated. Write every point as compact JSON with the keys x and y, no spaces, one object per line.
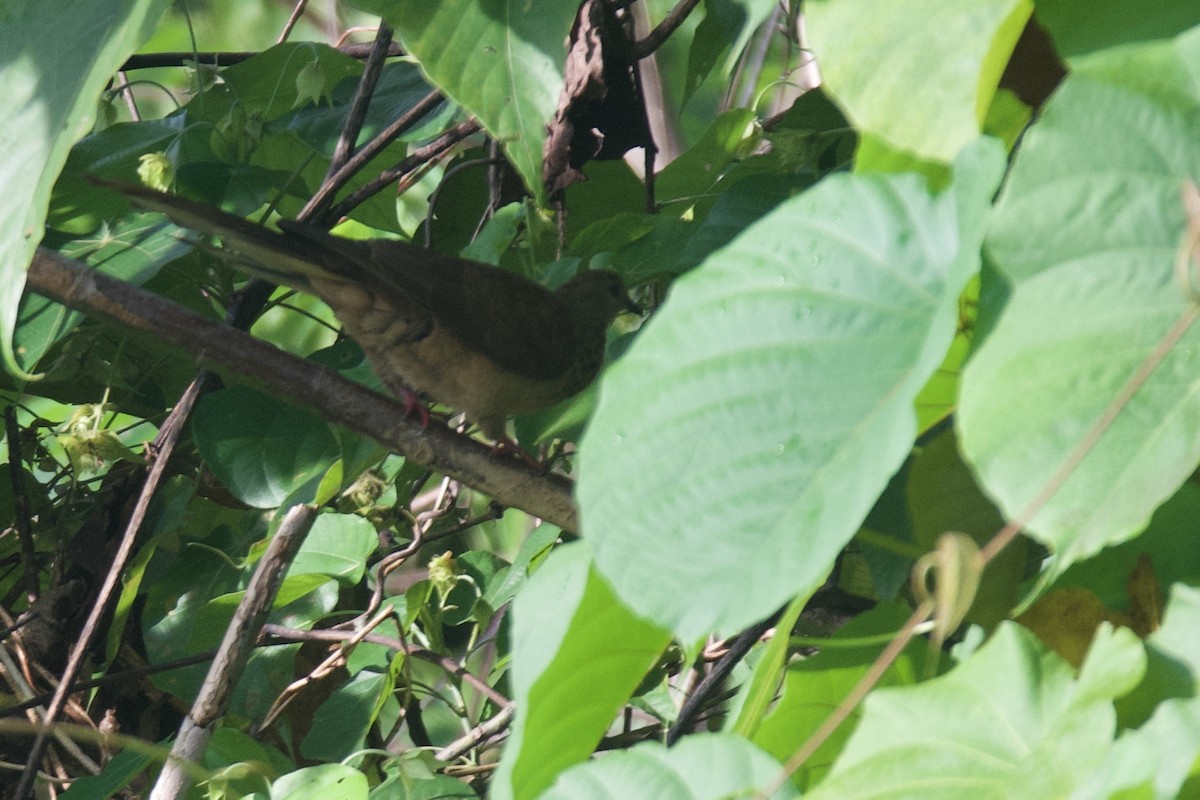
{"x":414,"y":407}
{"x":508,"y":447}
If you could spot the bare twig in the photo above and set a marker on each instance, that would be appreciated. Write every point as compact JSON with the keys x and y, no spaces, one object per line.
{"x":480,"y":733}
{"x":445,"y":662}
{"x":293,"y":18}
{"x":112,"y":677}
{"x":359,"y":159}
{"x":435,"y":149}
{"x":664,"y":29}
{"x":362,"y":100}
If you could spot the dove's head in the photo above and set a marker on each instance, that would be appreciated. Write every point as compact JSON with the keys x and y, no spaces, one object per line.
{"x":595,"y":297}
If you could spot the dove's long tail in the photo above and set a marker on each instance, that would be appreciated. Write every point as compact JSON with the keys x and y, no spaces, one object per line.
{"x":264,"y":253}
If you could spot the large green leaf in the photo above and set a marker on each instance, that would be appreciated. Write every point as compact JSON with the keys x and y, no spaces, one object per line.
{"x":260,"y":449}
{"x":761,"y":412}
{"x":500,"y":59}
{"x":578,"y":654}
{"x":706,"y":767}
{"x":918,"y":75}
{"x":1012,"y":721}
{"x":57,"y":58}
{"x":1085,"y":235}
{"x":1079,"y":27}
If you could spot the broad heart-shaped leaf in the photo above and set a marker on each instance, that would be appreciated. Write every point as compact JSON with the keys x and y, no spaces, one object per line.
{"x":577,"y":656}
{"x":1012,"y":721}
{"x":918,"y":75}
{"x":260,"y":448}
{"x":740,"y":442}
{"x":703,"y":767}
{"x":1086,"y":234}
{"x":57,"y":58}
{"x":502,"y":60}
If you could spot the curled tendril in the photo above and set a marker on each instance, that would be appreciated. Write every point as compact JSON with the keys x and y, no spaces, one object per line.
{"x":1186,"y":259}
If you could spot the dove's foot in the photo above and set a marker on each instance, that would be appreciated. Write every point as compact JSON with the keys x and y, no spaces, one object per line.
{"x":413,"y":407}
{"x":508,"y":448}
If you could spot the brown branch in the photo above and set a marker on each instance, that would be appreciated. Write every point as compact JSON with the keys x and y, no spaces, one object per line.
{"x":417,"y":158}
{"x":342,"y":402}
{"x":445,"y":662}
{"x":341,"y":176}
{"x":664,"y":29}
{"x":362,"y":99}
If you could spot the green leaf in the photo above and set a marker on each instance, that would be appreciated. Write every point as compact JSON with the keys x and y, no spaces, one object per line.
{"x":501,"y":60}
{"x":763,"y":685}
{"x":1085,"y":236}
{"x":132,"y":250}
{"x":337,"y":546}
{"x":340,"y":725}
{"x":702,"y":767}
{"x":732,"y":135}
{"x":568,"y":679}
{"x":721,"y":36}
{"x":323,"y":782}
{"x":1080,"y":27}
{"x":763,"y":409}
{"x":260,"y":448}
{"x":1010,"y":722}
{"x":919,"y":76}
{"x":58,"y":58}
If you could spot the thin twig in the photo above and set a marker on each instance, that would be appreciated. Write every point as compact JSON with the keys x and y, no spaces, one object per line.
{"x":664,"y":29}
{"x":127,"y":93}
{"x":357,"y":114}
{"x":293,"y":18}
{"x":364,"y":154}
{"x":435,"y":149}
{"x":445,"y":662}
{"x":113,"y":677}
{"x":480,"y":733}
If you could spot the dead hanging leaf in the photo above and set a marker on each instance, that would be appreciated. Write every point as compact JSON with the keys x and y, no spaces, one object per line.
{"x":1066,"y":619}
{"x":601,"y":113}
{"x":1145,"y":598}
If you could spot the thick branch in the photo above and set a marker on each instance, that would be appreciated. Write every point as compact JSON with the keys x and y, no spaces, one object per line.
{"x":338,"y":400}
